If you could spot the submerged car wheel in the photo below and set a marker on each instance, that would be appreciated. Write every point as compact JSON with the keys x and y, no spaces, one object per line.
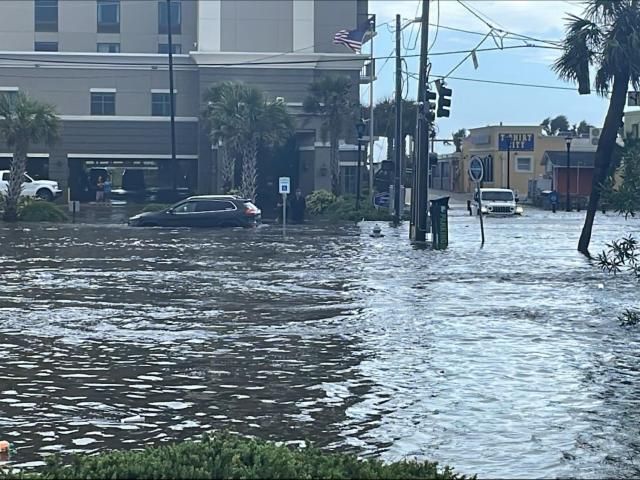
{"x":45,"y":195}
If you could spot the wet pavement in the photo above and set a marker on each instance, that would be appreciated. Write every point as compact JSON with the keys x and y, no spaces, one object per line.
{"x":505,"y":361}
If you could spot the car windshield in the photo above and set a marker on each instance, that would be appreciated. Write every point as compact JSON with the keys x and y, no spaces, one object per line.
{"x":498,"y":196}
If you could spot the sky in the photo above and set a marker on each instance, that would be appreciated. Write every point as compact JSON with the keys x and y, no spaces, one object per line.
{"x":477,"y":104}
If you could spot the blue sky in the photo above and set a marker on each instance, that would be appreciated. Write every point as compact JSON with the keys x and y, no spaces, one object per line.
{"x":477,"y":104}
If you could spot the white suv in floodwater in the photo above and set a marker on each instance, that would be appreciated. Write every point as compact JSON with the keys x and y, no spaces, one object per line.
{"x":45,"y":189}
{"x":496,"y":201}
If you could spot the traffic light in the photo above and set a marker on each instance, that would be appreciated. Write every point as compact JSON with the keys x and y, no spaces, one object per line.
{"x":444,"y":99}
{"x":431,"y":104}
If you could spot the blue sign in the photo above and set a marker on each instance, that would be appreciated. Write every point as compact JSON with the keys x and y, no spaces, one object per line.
{"x":553,"y":197}
{"x":522,"y":142}
{"x":381,"y":200}
{"x":476,"y":169}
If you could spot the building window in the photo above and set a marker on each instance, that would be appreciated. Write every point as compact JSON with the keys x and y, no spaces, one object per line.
{"x":108,"y":16}
{"x":10,"y":95}
{"x":176,"y":16}
{"x":164,"y":48}
{"x":488,"y":168}
{"x":524,"y":164}
{"x":46,"y":46}
{"x":160,"y":104}
{"x":103,"y":103}
{"x":349,"y":175}
{"x":46,"y":15}
{"x":635,"y":130}
{"x":108,"y":48}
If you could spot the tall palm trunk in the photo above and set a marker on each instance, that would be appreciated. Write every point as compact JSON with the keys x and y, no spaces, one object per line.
{"x":250,"y":170}
{"x":228,"y":167}
{"x":604,"y":154}
{"x":334,"y":163}
{"x":16,"y":176}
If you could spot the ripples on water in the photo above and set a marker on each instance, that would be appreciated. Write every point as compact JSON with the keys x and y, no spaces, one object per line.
{"x":503,"y":361}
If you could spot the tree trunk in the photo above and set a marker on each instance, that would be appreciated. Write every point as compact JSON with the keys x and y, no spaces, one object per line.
{"x":604,"y":154}
{"x":334,"y":164}
{"x":16,"y":177}
{"x":250,"y":170}
{"x":228,"y":163}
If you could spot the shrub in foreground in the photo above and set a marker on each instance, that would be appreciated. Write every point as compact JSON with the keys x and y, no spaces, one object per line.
{"x":232,"y":456}
{"x":319,"y":200}
{"x":40,"y":211}
{"x":345,"y":209}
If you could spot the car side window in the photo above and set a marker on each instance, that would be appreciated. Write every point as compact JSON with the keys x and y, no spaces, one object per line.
{"x":186,"y":207}
{"x":5,"y":176}
{"x":26,"y":179}
{"x":214,"y":206}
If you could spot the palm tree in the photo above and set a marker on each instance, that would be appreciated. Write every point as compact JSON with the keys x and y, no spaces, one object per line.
{"x":239,"y":117}
{"x":331,"y":98}
{"x":223,"y":131}
{"x":606,"y":36}
{"x":384,"y":120}
{"x":23,"y":121}
{"x":458,"y":138}
{"x":552,"y":126}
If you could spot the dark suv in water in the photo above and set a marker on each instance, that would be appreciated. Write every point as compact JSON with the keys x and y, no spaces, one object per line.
{"x":203,"y":211}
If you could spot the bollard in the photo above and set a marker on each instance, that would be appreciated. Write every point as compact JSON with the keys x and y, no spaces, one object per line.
{"x":553,"y":207}
{"x":469,"y":207}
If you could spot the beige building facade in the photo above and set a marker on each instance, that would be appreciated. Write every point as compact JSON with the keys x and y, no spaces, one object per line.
{"x":513,"y":155}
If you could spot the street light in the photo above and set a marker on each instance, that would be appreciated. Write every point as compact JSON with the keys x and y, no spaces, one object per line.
{"x":360,"y":127}
{"x":568,"y":142}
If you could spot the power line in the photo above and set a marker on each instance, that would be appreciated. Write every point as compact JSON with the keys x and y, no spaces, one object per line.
{"x":513,"y":84}
{"x":476,"y":13}
{"x":498,"y":82}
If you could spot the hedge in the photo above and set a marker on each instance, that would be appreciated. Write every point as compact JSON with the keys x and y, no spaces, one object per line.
{"x":230,"y":456}
{"x":40,"y":211}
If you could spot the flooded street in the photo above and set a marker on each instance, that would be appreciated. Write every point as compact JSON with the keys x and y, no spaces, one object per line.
{"x":506,"y":361}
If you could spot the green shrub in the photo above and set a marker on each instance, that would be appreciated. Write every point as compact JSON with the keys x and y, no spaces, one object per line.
{"x":345,"y":209}
{"x":319,"y":200}
{"x":155,"y":207}
{"x":231,"y":456}
{"x":31,"y":210}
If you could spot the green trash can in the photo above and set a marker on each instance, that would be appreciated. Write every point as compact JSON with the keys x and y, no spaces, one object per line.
{"x":440,"y":222}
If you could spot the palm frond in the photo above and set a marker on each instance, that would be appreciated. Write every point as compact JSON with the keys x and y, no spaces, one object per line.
{"x":580,"y":50}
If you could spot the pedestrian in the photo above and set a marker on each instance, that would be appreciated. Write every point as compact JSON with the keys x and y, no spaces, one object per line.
{"x":100,"y":190}
{"x":298,"y":207}
{"x":107,"y":190}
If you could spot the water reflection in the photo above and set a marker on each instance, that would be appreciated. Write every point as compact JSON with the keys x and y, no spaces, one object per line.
{"x":505,"y":361}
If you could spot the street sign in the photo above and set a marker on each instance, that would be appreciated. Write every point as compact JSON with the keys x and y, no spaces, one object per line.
{"x":476,"y":169}
{"x":633,"y":99}
{"x":381,"y":200}
{"x":285,"y":184}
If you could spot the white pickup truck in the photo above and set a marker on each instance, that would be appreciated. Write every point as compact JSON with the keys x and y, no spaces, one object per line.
{"x":496,"y":201}
{"x":44,"y":189}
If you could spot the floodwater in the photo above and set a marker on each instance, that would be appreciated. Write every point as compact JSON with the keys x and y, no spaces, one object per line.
{"x":505,"y":361}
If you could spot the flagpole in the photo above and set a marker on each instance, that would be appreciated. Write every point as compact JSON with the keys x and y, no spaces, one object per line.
{"x":372,"y":77}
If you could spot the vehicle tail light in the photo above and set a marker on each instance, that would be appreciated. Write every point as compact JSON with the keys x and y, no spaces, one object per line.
{"x":250,"y":209}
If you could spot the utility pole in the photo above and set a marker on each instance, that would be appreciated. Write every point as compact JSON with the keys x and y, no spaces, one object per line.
{"x":172,"y":103}
{"x":420,"y":191}
{"x":398,"y":135}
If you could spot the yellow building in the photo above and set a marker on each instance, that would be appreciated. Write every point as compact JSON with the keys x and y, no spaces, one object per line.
{"x":514,"y":155}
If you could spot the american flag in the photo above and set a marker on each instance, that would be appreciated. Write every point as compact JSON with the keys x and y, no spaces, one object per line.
{"x":354,"y":39}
